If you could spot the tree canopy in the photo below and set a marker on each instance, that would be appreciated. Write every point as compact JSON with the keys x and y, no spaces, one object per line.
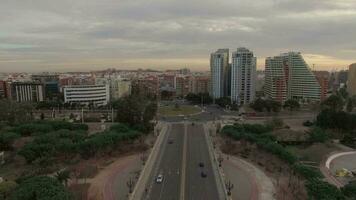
{"x":41,"y":188}
{"x":268,"y":105}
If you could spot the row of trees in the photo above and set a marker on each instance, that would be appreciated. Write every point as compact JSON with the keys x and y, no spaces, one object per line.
{"x":136,"y":111}
{"x":14,"y":113}
{"x":40,"y":188}
{"x":259,"y":134}
{"x":201,"y":98}
{"x":261,"y":105}
{"x":48,"y":146}
{"x":269,"y":105}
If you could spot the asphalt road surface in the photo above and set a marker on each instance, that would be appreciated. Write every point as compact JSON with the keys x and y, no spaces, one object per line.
{"x":169,"y":164}
{"x":198,"y":187}
{"x":182,"y":157}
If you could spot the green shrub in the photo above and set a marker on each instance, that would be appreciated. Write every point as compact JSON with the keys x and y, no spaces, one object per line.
{"x":41,"y":188}
{"x":349,"y":190}
{"x":307,"y":172}
{"x":33,"y":129}
{"x":7,"y":139}
{"x":320,"y":190}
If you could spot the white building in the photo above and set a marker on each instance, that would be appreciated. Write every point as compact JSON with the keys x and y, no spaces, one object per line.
{"x":219,"y":68}
{"x":288,"y":76}
{"x":243,"y":76}
{"x":26,"y":92}
{"x":96,"y":95}
{"x":118,"y":87}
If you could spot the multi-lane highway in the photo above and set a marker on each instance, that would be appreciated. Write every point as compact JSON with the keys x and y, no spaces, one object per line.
{"x":198,"y":187}
{"x":183,"y":148}
{"x":169,"y":164}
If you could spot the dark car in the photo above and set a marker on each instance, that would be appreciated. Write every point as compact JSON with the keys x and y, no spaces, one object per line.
{"x":170,"y":141}
{"x":203,"y":174}
{"x":201,"y":164}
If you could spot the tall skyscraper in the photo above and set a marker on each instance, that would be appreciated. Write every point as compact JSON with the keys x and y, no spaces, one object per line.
{"x":219,"y":68}
{"x":351,"y":83}
{"x":243,"y":76}
{"x":289,"y":77}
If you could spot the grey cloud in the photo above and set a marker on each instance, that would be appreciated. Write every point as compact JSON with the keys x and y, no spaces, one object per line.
{"x":52,"y":32}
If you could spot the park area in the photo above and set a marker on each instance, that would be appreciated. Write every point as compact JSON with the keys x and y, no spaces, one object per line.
{"x":178,"y":110}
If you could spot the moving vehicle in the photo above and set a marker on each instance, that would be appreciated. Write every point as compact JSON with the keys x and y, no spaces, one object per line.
{"x":201,"y":164}
{"x":203,"y":174}
{"x":159,"y":178}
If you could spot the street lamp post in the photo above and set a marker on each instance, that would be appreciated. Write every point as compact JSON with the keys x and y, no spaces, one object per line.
{"x":220,"y":159}
{"x":229,"y":187}
{"x":130,"y":183}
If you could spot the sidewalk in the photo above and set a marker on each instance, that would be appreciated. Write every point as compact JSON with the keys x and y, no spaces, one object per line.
{"x":110,"y":183}
{"x":150,"y":162}
{"x":250,"y":182}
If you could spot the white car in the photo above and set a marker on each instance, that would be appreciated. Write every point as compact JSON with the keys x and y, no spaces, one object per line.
{"x":159,"y":178}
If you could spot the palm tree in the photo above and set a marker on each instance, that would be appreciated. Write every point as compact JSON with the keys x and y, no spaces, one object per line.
{"x":63,"y":176}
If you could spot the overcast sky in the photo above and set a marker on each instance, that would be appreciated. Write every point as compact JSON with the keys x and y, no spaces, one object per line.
{"x":69,"y":35}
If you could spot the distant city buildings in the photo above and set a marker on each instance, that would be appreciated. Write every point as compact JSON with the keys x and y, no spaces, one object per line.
{"x":219,"y":68}
{"x":243,"y":76}
{"x":200,"y":84}
{"x":289,"y":77}
{"x":118,"y":87}
{"x":87,"y":95}
{"x":25,"y":91}
{"x":183,"y":85}
{"x":351,"y":83}
{"x":323,"y":78}
{"x":50,"y":83}
{"x":146,"y":86}
{"x":2,"y":89}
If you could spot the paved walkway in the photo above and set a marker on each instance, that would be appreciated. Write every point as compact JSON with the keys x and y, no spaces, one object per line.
{"x":337,"y":161}
{"x":110,"y":183}
{"x":250,"y":182}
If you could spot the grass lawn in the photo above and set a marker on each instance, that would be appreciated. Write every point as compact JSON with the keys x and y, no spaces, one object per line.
{"x":182,"y":110}
{"x":314,"y":153}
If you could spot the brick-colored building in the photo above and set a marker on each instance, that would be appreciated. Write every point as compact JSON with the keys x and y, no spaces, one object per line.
{"x":323,"y":78}
{"x":183,"y":85}
{"x":147,"y":86}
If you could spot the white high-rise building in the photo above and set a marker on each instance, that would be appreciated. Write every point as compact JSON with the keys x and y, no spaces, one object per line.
{"x":219,"y":64}
{"x":243,"y":76}
{"x":288,"y":76}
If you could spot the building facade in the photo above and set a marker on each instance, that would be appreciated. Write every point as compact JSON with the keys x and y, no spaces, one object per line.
{"x":288,"y":76}
{"x":118,"y":87}
{"x":323,"y":78}
{"x":201,"y":84}
{"x":183,"y":85}
{"x":146,"y":86}
{"x":25,"y":91}
{"x":89,"y":95}
{"x":51,"y":85}
{"x":219,"y":69}
{"x":2,"y":89}
{"x":351,"y":83}
{"x":243,"y":76}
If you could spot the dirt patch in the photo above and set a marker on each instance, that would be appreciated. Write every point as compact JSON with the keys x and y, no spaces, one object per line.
{"x":315,"y":152}
{"x":79,"y":191}
{"x":100,"y":187}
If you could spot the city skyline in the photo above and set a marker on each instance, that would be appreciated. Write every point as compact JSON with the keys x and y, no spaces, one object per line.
{"x":83,"y":36}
